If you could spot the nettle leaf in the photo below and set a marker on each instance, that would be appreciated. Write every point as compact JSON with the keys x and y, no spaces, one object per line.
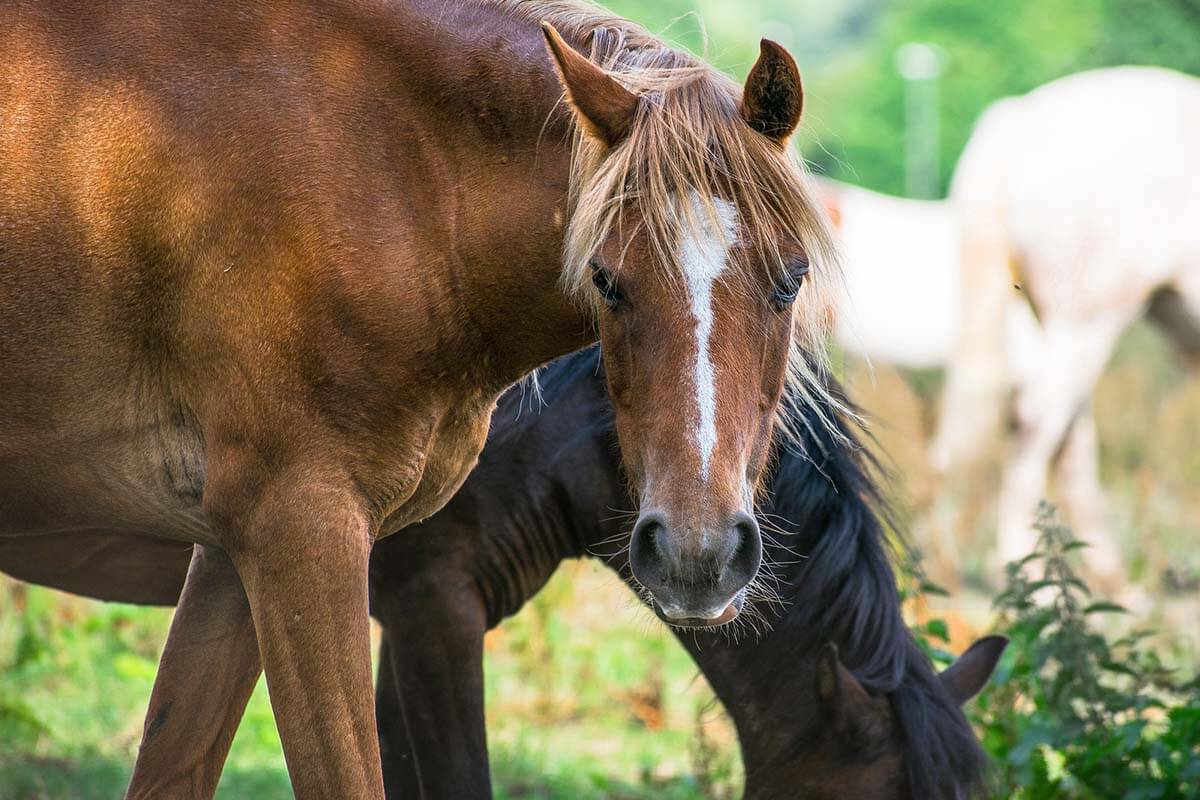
{"x":1029,"y":559}
{"x":1071,"y":714}
{"x":940,"y":656}
{"x":1103,"y":607}
{"x":1078,"y":584}
{"x":1041,"y":732}
{"x":938,"y":629}
{"x":1113,"y":666}
{"x":929,"y":587}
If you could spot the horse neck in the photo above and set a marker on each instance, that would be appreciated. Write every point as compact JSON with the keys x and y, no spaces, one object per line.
{"x":495,"y":152}
{"x":549,"y":482}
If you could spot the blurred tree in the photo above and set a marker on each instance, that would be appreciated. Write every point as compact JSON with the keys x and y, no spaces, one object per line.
{"x":993,"y":50}
{"x":854,"y":120}
{"x":727,"y":33}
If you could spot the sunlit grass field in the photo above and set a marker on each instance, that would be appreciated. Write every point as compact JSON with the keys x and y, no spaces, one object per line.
{"x":588,"y":696}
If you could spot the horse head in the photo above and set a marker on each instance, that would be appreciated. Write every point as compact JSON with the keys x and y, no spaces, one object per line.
{"x":695,"y":241}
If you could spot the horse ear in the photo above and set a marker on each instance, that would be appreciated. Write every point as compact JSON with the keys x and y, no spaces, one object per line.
{"x":773,"y":98}
{"x":852,"y":710}
{"x":967,"y":675}
{"x":603,"y":106}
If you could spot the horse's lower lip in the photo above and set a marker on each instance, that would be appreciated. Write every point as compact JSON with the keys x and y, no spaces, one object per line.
{"x":725,"y":616}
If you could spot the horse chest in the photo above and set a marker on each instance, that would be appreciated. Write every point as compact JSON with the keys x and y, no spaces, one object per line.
{"x":450,"y":454}
{"x":140,"y":471}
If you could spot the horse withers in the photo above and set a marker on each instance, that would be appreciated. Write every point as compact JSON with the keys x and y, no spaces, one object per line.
{"x":264,"y":270}
{"x":830,"y":695}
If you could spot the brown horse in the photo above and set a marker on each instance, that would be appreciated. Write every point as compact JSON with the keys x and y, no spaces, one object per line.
{"x":265,"y":268}
{"x":809,"y":725}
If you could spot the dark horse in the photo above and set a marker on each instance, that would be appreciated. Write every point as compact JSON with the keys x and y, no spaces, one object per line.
{"x":266,"y":267}
{"x":833,"y":700}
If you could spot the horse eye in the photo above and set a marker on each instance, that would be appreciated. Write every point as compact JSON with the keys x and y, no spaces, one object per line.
{"x":785,"y":293}
{"x":786,"y":289}
{"x":606,"y":284}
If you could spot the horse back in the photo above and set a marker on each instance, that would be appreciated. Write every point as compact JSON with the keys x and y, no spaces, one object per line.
{"x":191,"y":197}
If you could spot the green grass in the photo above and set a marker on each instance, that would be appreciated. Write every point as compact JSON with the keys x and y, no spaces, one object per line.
{"x":587,"y":698}
{"x":76,"y":677}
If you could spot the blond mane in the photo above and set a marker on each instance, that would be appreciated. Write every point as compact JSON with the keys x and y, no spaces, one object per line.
{"x":689,"y":137}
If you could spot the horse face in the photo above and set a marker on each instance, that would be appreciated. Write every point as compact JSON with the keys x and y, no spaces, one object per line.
{"x":687,"y":207}
{"x":859,"y":750}
{"x":696,"y":356}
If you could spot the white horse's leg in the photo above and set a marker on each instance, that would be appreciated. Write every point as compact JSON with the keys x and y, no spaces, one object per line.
{"x":977,"y":378}
{"x":1078,"y":471}
{"x":1056,"y":389}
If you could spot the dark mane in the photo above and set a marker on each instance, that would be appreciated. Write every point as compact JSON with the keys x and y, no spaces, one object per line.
{"x":552,"y":383}
{"x":827,"y":494}
{"x":835,"y":556}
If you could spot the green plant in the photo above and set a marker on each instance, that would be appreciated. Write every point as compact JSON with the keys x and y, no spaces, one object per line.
{"x":1071,"y":714}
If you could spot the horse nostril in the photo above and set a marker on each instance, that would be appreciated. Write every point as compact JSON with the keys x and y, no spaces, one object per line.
{"x":747,"y":552}
{"x":697,"y":578}
{"x":646,"y":551}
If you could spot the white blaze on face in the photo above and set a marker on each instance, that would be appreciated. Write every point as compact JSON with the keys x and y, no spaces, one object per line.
{"x":702,"y":257}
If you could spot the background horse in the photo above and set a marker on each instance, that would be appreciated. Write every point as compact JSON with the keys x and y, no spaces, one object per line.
{"x":1078,"y":198}
{"x":903,"y":297}
{"x":903,"y":307}
{"x":901,"y":304}
{"x":544,"y":491}
{"x":909,"y":260}
{"x":264,"y":270}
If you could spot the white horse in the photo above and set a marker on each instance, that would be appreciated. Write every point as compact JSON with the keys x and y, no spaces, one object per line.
{"x":903,"y":306}
{"x":902,"y":285}
{"x":1082,"y":197}
{"x":902,"y":303}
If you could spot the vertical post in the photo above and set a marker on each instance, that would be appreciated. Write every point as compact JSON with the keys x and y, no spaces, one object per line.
{"x":920,"y":65}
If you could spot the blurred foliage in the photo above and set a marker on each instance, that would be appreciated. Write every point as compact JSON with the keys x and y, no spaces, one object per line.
{"x":854,"y":115}
{"x":1071,"y":714}
{"x":990,"y":50}
{"x":75,"y":676}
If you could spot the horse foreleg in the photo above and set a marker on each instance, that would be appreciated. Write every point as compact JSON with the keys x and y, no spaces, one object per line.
{"x":429,"y":698}
{"x":206,"y":674}
{"x":1078,"y":471}
{"x":1073,"y":357}
{"x":401,"y":771}
{"x":302,"y":551}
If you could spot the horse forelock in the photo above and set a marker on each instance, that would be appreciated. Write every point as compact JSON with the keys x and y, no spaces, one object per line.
{"x":689,"y":140}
